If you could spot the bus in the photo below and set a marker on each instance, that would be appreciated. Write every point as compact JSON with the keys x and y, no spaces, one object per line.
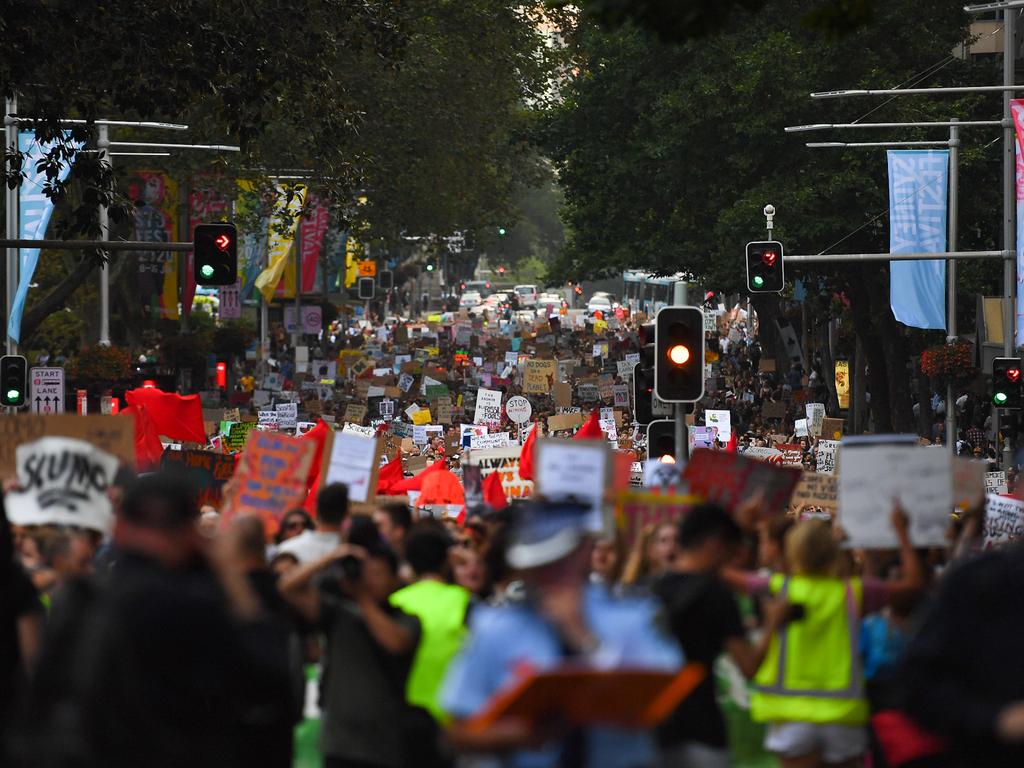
{"x":647,"y":293}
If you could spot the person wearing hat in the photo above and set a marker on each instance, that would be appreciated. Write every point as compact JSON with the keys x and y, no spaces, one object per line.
{"x":561,"y":618}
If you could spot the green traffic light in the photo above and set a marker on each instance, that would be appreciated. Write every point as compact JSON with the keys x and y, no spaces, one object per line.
{"x":13,"y":395}
{"x":1000,"y":398}
{"x":758,"y":281}
{"x":206,"y":270}
{"x":430,"y":267}
{"x":501,"y":231}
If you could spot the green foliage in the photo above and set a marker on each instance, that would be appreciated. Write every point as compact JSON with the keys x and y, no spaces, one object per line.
{"x":232,"y":338}
{"x":59,"y":332}
{"x":101,"y":365}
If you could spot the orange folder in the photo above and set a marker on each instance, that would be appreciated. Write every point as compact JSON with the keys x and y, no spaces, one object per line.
{"x":630,"y":698}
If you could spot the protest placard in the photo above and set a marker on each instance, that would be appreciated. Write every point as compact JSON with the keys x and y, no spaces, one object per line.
{"x":62,"y":481}
{"x":817,"y":490}
{"x":505,"y":461}
{"x":832,"y":429}
{"x":287,"y":415}
{"x":492,"y":440}
{"x":562,"y":394}
{"x":995,"y":482}
{"x":270,"y":477}
{"x":353,"y":460}
{"x":239,"y":435}
{"x":1004,"y":520}
{"x":763,"y":453}
{"x":575,"y":470}
{"x":564,"y":421}
{"x":620,"y":395}
{"x":355,"y":413}
{"x":815,"y":418}
{"x":421,"y":417}
{"x":443,"y":408}
{"x":488,"y":407}
{"x":720,"y":423}
{"x":730,"y":478}
{"x":701,"y":437}
{"x":419,"y":435}
{"x":539,"y":376}
{"x":968,"y":482}
{"x":800,"y":427}
{"x":874,"y":475}
{"x":827,"y":455}
{"x":773,"y":409}
{"x":205,"y":471}
{"x":588,"y":393}
{"x":624,"y":369}
{"x":267,"y":419}
{"x":113,"y":434}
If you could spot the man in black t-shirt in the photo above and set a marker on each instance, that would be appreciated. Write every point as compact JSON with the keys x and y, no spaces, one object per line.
{"x":705,"y":619}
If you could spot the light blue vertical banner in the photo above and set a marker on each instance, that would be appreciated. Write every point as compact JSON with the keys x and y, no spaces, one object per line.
{"x":35,"y":209}
{"x":1020,"y":242}
{"x":918,"y":207}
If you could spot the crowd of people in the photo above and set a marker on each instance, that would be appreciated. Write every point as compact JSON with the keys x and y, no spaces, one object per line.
{"x":392,"y":636}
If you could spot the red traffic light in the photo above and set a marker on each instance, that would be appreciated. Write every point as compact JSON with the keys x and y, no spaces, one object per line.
{"x":501,"y":270}
{"x":222,"y":241}
{"x":769,"y":258}
{"x":1013,"y":374}
{"x":679,"y":354}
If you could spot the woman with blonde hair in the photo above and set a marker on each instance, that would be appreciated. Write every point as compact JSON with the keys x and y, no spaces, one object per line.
{"x":810,"y":689}
{"x":651,"y":555}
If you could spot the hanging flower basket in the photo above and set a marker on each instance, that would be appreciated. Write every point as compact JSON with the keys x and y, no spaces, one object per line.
{"x":949,"y":362}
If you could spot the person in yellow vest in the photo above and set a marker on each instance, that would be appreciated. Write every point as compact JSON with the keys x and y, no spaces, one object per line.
{"x":441,"y":608}
{"x":810,"y":687}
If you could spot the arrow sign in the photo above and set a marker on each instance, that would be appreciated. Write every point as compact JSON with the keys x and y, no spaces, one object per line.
{"x":47,"y":390}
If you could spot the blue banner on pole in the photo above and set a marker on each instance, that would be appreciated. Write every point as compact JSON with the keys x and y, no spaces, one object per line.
{"x":918,"y":208}
{"x":35,"y":209}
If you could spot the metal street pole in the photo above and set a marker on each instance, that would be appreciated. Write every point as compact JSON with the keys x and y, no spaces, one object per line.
{"x":1009,"y":202}
{"x":103,"y":143}
{"x":682,"y":444}
{"x":951,"y":238}
{"x":11,"y":214}
{"x":297,"y":245}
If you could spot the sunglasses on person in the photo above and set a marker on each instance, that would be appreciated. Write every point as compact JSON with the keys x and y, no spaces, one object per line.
{"x":292,"y":525}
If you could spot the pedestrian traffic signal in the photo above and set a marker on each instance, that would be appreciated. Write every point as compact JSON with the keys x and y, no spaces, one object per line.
{"x":13,"y":380}
{"x":215,"y":250}
{"x":386,"y":279}
{"x":366,"y":287}
{"x":661,"y":440}
{"x":1007,"y":383}
{"x":765,"y":267}
{"x":679,"y":354}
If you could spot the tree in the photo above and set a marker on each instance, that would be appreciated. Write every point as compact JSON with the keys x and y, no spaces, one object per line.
{"x":667,"y":154}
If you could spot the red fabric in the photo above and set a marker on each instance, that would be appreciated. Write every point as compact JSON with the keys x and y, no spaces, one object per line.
{"x":318,"y":436}
{"x":591,"y":430}
{"x":526,"y":455}
{"x":494,"y":494}
{"x":441,"y":487}
{"x":313,"y":231}
{"x":310,"y":503}
{"x":902,"y":740}
{"x":731,"y":447}
{"x":382,"y":429}
{"x":415,"y":483}
{"x":148,"y":448}
{"x":390,"y":474}
{"x":179,"y":417}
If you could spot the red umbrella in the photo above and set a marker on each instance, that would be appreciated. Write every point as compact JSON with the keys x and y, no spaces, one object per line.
{"x":415,"y":483}
{"x":441,"y":487}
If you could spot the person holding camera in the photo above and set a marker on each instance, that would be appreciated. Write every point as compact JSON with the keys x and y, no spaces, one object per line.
{"x":370,"y":646}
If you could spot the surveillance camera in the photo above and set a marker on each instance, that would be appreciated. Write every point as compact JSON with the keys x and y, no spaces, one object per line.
{"x":769,"y":210}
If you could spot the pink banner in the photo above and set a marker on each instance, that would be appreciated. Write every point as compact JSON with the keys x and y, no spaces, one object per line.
{"x":314,"y":229}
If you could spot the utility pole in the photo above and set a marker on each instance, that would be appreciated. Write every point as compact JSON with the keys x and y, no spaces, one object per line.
{"x":11,"y":213}
{"x":1009,"y":203}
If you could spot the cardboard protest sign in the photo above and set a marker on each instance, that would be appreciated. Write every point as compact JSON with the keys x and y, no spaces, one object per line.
{"x":287,"y":415}
{"x":504,"y":461}
{"x":539,"y":376}
{"x":1004,"y":520}
{"x":817,"y":490}
{"x":238,"y":435}
{"x":205,"y":471}
{"x":562,"y":394}
{"x":353,"y":459}
{"x":874,"y":475}
{"x":588,"y":393}
{"x":270,"y":476}
{"x":763,"y":454}
{"x":968,"y":482}
{"x":832,"y":429}
{"x":443,"y":408}
{"x":815,"y":417}
{"x":575,"y":470}
{"x":827,"y":456}
{"x":730,"y":478}
{"x":488,"y":406}
{"x":564,"y":421}
{"x":995,"y":482}
{"x":721,"y":421}
{"x":355,"y":413}
{"x":113,"y":434}
{"x":63,"y":481}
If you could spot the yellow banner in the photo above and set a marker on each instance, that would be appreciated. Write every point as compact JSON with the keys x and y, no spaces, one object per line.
{"x":843,"y":383}
{"x":278,"y":248}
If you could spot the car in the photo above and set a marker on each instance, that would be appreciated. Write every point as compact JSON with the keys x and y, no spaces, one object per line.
{"x":483,"y":287}
{"x":469,"y":299}
{"x":599,"y":303}
{"x":527,"y":295}
{"x":549,"y":304}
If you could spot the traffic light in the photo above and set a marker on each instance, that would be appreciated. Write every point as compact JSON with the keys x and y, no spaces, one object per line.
{"x":1007,"y":383}
{"x":643,"y":377}
{"x":386,"y":279}
{"x":366,"y":287}
{"x":13,"y":380}
{"x":679,"y":354}
{"x":430,"y":266}
{"x":765,"y":267}
{"x":661,"y":440}
{"x":502,"y":231}
{"x":215,"y":248}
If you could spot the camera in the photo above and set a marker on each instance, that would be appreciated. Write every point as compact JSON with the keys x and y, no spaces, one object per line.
{"x":769,"y":210}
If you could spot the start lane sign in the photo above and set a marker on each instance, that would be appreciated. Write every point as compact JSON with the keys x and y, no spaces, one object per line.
{"x":46,"y":390}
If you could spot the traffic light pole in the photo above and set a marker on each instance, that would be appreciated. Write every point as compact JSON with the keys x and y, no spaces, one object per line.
{"x":682,"y":443}
{"x":103,"y":144}
{"x":11,"y":215}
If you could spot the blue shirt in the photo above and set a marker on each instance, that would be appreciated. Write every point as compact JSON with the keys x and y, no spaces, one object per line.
{"x":503,"y":638}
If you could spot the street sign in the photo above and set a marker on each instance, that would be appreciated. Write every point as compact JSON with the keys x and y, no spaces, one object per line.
{"x":46,"y":390}
{"x":367,"y":268}
{"x":519,"y":409}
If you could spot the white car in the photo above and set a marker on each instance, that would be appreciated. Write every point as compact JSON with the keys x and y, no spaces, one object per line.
{"x":548,"y":304}
{"x":599,"y":303}
{"x":527,"y":295}
{"x":469,"y":300}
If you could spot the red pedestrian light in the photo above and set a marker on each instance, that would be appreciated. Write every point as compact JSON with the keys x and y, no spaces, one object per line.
{"x":769,"y":258}
{"x":1013,"y":374}
{"x":223,"y":242}
{"x":679,"y":354}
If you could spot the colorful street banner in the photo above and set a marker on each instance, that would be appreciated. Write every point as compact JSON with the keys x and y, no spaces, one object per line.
{"x":918,"y":205}
{"x":252,"y":255}
{"x":314,"y":230}
{"x":205,"y":206}
{"x":1017,"y":110}
{"x":156,"y":221}
{"x":35,"y":209}
{"x":279,"y":247}
{"x":843,"y":383}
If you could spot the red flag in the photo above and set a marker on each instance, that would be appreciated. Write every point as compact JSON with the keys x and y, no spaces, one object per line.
{"x":415,"y":482}
{"x":526,"y":455}
{"x":731,"y":447}
{"x":494,"y":494}
{"x":179,"y":417}
{"x":592,"y":429}
{"x":318,"y":436}
{"x":390,"y":474}
{"x":148,"y":448}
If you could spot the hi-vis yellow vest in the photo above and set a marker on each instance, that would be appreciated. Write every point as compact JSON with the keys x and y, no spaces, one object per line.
{"x":813,"y":671}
